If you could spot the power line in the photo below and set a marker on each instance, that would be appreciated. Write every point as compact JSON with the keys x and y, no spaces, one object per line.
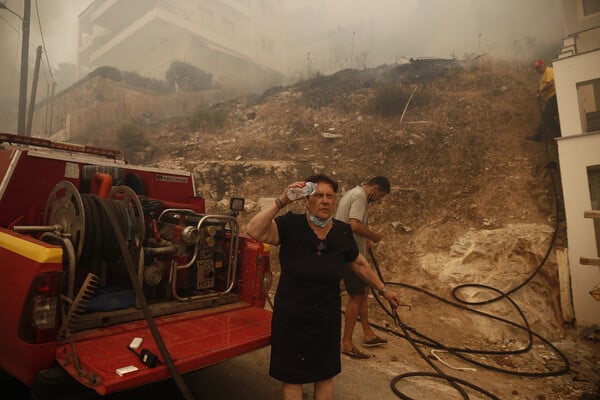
{"x":15,"y":81}
{"x":9,"y":24}
{"x":37,"y":11}
{"x":18,"y":31}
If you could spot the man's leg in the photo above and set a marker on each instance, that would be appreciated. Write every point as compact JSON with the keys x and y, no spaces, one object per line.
{"x":291,"y":391}
{"x":370,"y":338}
{"x":547,"y":122}
{"x":363,"y":313}
{"x":324,"y":389}
{"x":352,"y":310}
{"x":551,"y":116}
{"x":547,"y":119}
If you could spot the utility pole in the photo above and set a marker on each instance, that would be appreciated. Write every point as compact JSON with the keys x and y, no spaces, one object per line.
{"x":36,"y":73}
{"x":24,"y":66}
{"x":50,"y":130}
{"x":47,"y":109}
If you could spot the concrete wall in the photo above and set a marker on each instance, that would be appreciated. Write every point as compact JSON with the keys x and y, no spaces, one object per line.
{"x":220,"y":37}
{"x":567,"y":73}
{"x":574,"y":18}
{"x":99,"y":104}
{"x":588,"y":40}
{"x":578,"y":152}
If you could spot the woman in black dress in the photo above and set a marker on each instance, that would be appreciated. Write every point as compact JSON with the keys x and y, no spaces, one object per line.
{"x":306,"y":323}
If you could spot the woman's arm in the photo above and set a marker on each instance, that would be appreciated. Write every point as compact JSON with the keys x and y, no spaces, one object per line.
{"x":365,"y":272}
{"x":262,"y":226}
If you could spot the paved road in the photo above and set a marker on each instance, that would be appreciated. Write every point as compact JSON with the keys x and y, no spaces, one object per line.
{"x":246,"y":377}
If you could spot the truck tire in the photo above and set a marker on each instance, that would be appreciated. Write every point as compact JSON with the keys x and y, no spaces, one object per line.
{"x":54,"y":384}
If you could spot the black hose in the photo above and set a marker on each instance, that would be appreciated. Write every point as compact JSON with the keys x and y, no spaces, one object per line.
{"x":376,"y":265}
{"x":422,"y":339}
{"x":516,"y":288}
{"x":183,"y":388}
{"x":416,"y":338}
{"x":538,"y":268}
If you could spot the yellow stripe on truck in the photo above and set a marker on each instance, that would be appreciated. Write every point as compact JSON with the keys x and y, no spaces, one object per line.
{"x":31,"y":250}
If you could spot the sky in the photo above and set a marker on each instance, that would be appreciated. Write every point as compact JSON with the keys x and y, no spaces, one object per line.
{"x":366,"y":33}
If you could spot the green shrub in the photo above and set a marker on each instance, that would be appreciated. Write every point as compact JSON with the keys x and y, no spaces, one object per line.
{"x":107,"y":72}
{"x":188,"y":77}
{"x":135,"y":79}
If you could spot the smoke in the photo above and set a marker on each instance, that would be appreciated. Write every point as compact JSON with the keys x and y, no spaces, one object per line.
{"x":319,"y":35}
{"x":57,"y":32}
{"x":355,"y":33}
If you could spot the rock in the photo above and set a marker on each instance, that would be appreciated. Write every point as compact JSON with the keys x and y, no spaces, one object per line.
{"x":328,"y":135}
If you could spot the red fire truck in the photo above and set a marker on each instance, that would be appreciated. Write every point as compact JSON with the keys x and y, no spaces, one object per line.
{"x":117,"y":274}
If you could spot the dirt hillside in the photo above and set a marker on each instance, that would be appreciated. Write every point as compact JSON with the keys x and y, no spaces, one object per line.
{"x":471,"y":202}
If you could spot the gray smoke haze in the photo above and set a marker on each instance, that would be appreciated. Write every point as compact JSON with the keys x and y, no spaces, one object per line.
{"x":59,"y":28}
{"x":320,"y":36}
{"x":375,"y":32}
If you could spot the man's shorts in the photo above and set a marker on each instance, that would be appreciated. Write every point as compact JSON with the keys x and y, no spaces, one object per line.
{"x":354,"y":285}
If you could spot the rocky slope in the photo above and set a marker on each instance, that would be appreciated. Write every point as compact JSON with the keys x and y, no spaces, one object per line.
{"x":471,"y":201}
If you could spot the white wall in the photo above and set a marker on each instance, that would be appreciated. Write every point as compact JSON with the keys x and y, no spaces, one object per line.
{"x":567,"y":73}
{"x":577,"y":152}
{"x":575,"y":155}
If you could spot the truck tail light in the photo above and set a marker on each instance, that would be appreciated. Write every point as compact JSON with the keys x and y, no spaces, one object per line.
{"x":41,"y":316}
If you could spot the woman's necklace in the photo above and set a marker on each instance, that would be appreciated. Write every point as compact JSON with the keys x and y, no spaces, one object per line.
{"x":321,"y":233}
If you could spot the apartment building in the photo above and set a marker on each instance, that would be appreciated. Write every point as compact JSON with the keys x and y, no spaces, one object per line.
{"x":577,"y":78}
{"x":239,"y":42}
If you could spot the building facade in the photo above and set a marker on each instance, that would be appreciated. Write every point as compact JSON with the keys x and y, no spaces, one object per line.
{"x":239,"y":42}
{"x":577,"y":78}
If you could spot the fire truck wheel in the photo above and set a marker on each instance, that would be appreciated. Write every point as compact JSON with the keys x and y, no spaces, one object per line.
{"x":55,"y":384}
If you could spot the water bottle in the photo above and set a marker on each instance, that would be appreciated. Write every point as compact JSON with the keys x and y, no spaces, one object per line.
{"x":296,"y":193}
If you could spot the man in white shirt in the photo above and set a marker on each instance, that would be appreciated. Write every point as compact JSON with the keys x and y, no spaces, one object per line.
{"x":353,"y":209}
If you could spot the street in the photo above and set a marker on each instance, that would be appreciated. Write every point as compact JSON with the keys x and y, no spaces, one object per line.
{"x":247,"y":377}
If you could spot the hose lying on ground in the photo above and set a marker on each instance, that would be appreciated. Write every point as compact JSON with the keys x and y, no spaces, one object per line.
{"x":417,"y":339}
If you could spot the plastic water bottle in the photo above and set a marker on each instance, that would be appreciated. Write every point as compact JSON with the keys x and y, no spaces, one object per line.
{"x":296,"y":193}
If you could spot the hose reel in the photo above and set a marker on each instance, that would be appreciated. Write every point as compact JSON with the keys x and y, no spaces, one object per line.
{"x":82,"y":218}
{"x":64,"y":208}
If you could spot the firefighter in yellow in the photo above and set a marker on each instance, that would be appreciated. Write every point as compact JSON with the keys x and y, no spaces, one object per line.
{"x":547,"y":100}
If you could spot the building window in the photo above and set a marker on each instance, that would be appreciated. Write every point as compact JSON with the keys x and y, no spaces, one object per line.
{"x":205,"y":17}
{"x":594,"y":181}
{"x":589,"y":103}
{"x":590,"y":7}
{"x":266,"y":8}
{"x":227,"y":26}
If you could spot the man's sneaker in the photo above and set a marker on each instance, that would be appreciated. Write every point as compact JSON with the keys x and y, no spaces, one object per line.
{"x":376,"y":341}
{"x":533,"y":138}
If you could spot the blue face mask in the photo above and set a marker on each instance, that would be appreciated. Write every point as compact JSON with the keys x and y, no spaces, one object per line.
{"x":318,"y":221}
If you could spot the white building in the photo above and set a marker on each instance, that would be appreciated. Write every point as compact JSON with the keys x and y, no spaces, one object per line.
{"x":239,"y":42}
{"x":577,"y":78}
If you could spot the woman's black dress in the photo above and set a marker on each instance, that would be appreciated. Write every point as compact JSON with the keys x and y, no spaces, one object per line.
{"x":306,"y":324}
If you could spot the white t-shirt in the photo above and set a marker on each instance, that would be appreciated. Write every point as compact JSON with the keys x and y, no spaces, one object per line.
{"x":354,"y":205}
